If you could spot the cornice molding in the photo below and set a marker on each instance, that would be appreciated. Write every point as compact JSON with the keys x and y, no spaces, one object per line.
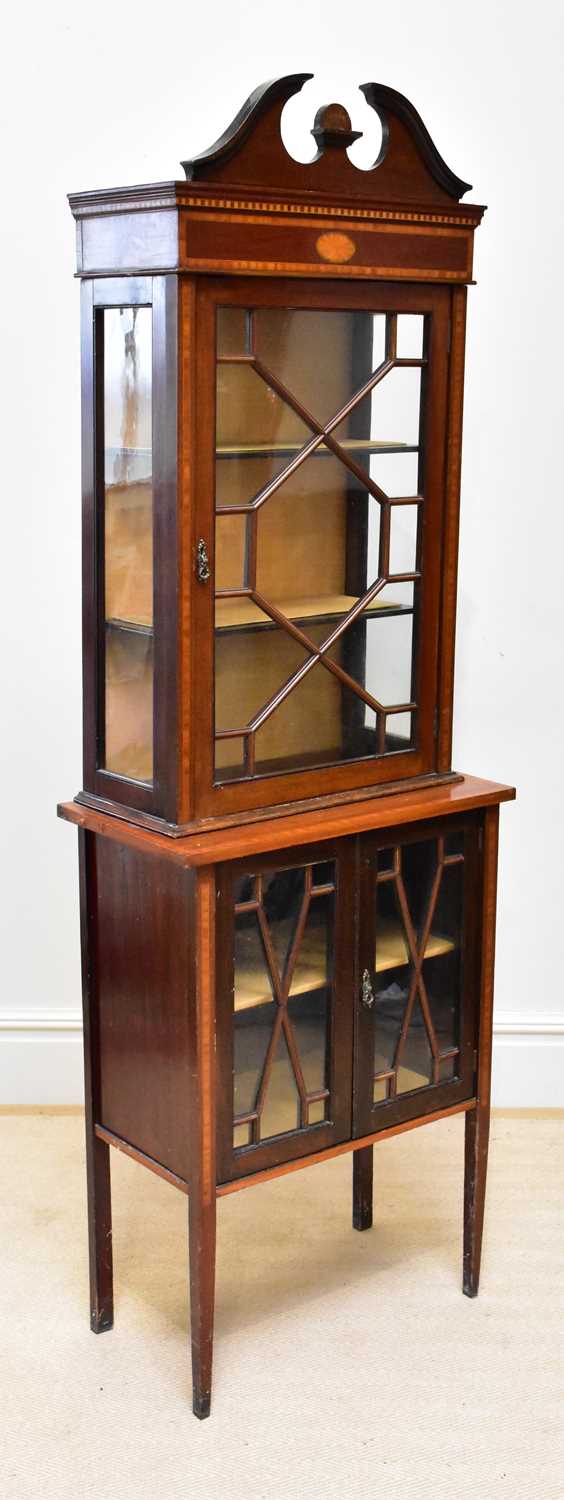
{"x":178,"y":195}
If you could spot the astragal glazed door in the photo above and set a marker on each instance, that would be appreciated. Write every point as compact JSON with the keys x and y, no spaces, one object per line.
{"x":320,"y":523}
{"x":285,"y":977}
{"x":416,"y":1003}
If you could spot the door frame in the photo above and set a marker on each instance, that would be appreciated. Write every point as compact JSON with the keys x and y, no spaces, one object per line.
{"x":213,"y":799}
{"x":367,"y":1116}
{"x":243,"y":1161}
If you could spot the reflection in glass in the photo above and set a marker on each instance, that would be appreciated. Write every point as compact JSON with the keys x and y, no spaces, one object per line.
{"x":418,"y":966}
{"x":282,"y":986}
{"x":128,"y":542}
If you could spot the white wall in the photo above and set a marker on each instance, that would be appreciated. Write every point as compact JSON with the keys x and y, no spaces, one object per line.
{"x":118,"y":94}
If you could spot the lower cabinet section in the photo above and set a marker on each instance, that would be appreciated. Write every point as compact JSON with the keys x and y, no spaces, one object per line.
{"x":347,"y":980}
{"x":247,"y":1015}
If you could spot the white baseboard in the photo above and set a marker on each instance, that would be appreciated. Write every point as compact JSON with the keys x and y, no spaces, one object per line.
{"x":41,"y":1060}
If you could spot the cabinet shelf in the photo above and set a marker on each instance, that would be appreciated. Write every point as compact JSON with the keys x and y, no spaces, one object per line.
{"x":239,"y":614}
{"x":135,"y":627}
{"x":310,"y":973}
{"x":280,"y":450}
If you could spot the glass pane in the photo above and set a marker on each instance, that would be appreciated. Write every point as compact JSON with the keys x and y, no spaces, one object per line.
{"x":253,"y":1030}
{"x":245,"y":889}
{"x":230,"y":758}
{"x":389,"y":1009}
{"x":403,"y":538}
{"x":399,"y":732}
{"x":410,"y":335}
{"x":379,"y":1090}
{"x":232,"y":331}
{"x":376,"y":650}
{"x":129,"y":552}
{"x":282,"y":900}
{"x":416,"y":1069}
{"x":302,"y":537}
{"x":308,"y":542}
{"x":240,"y":477}
{"x":319,"y":722}
{"x":385,"y":860}
{"x":251,"y":416}
{"x":417,"y":1019}
{"x":255,"y":1012}
{"x":230,"y":539}
{"x":281,"y":1047}
{"x":448,"y":1069}
{"x":247,"y":680}
{"x":317,"y":1112}
{"x":128,"y":540}
{"x":442,"y":974}
{"x":395,"y":473}
{"x":308,"y":1010}
{"x":129,"y":703}
{"x":454,"y":842}
{"x":389,"y":415}
{"x":320,"y":357}
{"x":282,"y":1103}
{"x":253,"y":982}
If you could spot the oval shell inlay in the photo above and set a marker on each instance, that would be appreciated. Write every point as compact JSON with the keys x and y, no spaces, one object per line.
{"x":335,"y":247}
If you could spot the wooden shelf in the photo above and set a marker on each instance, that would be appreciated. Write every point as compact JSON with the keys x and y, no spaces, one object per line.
{"x":233,"y":614}
{"x":277,"y":450}
{"x":136,"y":627}
{"x":310,"y":972}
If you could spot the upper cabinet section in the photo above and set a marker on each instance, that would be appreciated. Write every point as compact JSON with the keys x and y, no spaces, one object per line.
{"x":401,"y":218}
{"x":272,"y":375}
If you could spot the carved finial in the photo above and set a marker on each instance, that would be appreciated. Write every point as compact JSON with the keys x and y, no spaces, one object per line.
{"x":332,"y":127}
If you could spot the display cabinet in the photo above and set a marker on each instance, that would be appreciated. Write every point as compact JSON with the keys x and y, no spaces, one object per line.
{"x":287,"y":893}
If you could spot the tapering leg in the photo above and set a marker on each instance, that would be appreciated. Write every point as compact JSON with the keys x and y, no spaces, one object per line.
{"x":362,"y":1187}
{"x":99,"y":1232}
{"x":202,"y":1220}
{"x":97,"y":1152}
{"x":478,"y":1119}
{"x":202,"y":1210}
{"x":475,"y":1172}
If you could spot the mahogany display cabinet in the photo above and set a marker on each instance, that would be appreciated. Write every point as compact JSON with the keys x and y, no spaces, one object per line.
{"x":287,"y":893}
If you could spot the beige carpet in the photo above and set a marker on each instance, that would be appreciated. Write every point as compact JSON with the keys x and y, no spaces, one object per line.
{"x":346,"y":1364}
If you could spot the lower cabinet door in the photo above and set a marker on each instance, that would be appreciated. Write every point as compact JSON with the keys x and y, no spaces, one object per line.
{"x":416,"y":1004}
{"x":285,"y":985}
